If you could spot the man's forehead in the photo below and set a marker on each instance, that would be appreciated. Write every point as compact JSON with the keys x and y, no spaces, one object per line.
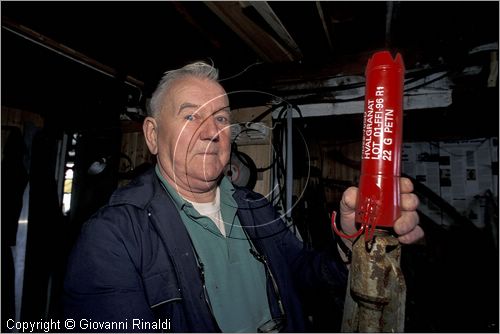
{"x":192,"y":91}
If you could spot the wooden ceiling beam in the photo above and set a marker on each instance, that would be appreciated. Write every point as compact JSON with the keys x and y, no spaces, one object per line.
{"x":65,"y":51}
{"x":264,"y":45}
{"x":267,"y":13}
{"x":325,"y":25}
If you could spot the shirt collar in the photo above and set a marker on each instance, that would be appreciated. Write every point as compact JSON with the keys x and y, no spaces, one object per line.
{"x":171,"y":191}
{"x":226,"y":192}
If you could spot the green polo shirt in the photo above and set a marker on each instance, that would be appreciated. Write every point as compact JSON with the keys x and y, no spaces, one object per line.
{"x":235,"y":280}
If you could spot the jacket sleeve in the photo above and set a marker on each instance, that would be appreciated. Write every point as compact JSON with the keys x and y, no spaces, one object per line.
{"x":311,"y":268}
{"x":102,"y":282}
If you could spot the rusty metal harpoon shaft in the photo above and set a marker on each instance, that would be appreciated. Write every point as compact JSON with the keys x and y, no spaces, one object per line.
{"x":376,"y":295}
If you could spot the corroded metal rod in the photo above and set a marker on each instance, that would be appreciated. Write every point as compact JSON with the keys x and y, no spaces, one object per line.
{"x":375,"y":300}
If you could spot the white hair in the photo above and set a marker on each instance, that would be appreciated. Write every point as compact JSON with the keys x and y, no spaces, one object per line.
{"x":197,"y":69}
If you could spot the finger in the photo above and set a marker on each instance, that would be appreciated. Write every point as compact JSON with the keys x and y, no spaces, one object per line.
{"x":348,"y":202}
{"x":406,"y":185}
{"x":416,"y":234}
{"x":347,"y":210}
{"x":409,"y":202}
{"x":406,"y":223}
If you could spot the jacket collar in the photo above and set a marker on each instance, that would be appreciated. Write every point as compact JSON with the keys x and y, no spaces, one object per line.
{"x":138,"y":192}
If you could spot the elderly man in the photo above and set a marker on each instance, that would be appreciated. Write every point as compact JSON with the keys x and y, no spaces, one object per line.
{"x":181,"y":249}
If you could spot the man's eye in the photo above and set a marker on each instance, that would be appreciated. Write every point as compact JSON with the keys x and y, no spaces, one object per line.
{"x":222,"y":119}
{"x":189,"y":118}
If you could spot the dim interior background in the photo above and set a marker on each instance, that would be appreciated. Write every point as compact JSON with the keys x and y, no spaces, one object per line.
{"x":76,"y":78}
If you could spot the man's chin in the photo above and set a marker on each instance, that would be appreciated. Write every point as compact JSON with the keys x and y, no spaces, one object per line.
{"x":208,"y":173}
{"x":207,"y":180}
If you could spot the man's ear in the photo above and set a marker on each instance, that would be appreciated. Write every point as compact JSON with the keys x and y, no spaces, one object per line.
{"x":150,"y":129}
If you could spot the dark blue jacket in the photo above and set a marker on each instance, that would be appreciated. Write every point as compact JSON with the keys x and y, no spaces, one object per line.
{"x":134,"y":260}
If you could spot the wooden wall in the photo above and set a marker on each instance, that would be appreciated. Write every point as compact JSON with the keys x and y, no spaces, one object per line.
{"x":330,"y":166}
{"x":17,"y":118}
{"x":134,"y":147}
{"x":340,"y":161}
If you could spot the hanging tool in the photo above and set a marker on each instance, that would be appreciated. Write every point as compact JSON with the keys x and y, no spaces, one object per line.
{"x":375,"y":299}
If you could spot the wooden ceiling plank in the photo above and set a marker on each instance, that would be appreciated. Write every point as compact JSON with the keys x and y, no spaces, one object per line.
{"x":267,"y":13}
{"x":65,"y":51}
{"x":266,"y":47}
{"x":325,"y":25}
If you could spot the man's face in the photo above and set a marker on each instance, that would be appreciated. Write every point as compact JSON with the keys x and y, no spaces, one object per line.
{"x":193,"y":134}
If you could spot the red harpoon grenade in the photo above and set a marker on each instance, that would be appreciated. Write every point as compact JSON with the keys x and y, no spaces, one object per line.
{"x":379,"y":193}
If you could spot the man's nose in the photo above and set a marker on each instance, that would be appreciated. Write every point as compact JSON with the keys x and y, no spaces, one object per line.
{"x":209,"y":129}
